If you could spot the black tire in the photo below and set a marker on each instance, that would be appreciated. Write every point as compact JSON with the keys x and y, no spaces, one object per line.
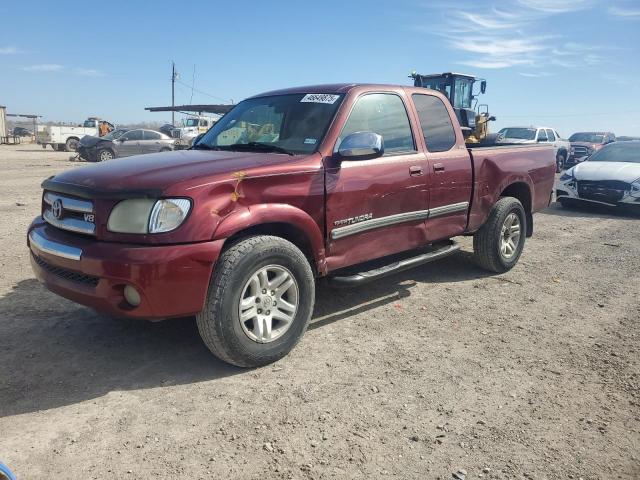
{"x":487,"y":241}
{"x":104,"y":154}
{"x":71,"y":145}
{"x":560,"y":159}
{"x":60,"y":147}
{"x":219,"y":323}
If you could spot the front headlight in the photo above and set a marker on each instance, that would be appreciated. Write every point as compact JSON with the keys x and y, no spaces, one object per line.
{"x":148,"y":215}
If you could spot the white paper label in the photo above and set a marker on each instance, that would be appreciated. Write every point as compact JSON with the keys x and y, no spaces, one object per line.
{"x":310,"y":141}
{"x":320,"y":98}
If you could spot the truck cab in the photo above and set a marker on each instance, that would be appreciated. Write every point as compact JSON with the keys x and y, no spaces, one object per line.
{"x":343,"y":183}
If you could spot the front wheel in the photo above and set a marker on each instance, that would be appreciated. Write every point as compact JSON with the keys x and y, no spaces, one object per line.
{"x":104,"y":155}
{"x":71,"y":145}
{"x":259,"y":302}
{"x":499,"y":242}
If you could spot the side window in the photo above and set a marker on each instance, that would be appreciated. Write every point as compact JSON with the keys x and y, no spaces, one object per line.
{"x":550,"y":135}
{"x":149,"y":135}
{"x":133,"y":135}
{"x":542,"y":135}
{"x":439,"y":134}
{"x":384,"y":114}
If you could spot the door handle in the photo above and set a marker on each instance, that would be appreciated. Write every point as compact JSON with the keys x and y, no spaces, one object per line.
{"x":415,"y":171}
{"x":438,"y":167}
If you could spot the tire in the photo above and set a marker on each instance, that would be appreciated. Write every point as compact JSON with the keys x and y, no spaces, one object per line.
{"x":560,"y":159}
{"x":71,"y":145}
{"x":488,"y":246}
{"x":220,"y":325}
{"x":60,"y":147}
{"x":104,"y":155}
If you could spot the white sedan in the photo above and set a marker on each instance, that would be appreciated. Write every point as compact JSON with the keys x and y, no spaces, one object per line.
{"x":610,"y":176}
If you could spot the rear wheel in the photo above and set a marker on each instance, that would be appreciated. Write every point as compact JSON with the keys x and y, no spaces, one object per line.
{"x":60,"y":147}
{"x":560,"y":159}
{"x":259,"y":302}
{"x":499,"y":242}
{"x":71,"y":144}
{"x":105,"y":154}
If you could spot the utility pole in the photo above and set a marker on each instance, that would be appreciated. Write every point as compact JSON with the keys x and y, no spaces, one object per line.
{"x":174,"y":75}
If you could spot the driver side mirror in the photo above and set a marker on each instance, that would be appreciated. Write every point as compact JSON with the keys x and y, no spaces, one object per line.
{"x":483,"y":86}
{"x":361,"y":146}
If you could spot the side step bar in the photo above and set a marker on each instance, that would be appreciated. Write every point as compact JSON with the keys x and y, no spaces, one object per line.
{"x":395,"y":267}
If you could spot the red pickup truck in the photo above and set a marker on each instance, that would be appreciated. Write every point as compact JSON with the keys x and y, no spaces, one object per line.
{"x":350,"y":182}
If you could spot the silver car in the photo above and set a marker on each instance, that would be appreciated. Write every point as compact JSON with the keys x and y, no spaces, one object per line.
{"x":139,"y":141}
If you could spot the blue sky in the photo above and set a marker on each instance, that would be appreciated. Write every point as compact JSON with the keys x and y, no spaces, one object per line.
{"x":570,"y":64}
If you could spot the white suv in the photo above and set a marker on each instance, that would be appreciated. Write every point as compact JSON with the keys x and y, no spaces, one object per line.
{"x":537,"y":135}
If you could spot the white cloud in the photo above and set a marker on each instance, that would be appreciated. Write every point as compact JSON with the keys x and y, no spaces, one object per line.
{"x":624,"y":12}
{"x":88,"y":72}
{"x":9,"y":50}
{"x":44,"y":67}
{"x":535,"y":74}
{"x":557,"y":6}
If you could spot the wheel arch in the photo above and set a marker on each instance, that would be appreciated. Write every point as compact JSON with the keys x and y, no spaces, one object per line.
{"x":284,"y":221}
{"x":522,"y":192}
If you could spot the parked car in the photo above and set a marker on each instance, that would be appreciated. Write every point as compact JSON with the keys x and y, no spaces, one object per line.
{"x":610,"y":176}
{"x":22,"y":132}
{"x":167,"y":129}
{"x":537,"y":135}
{"x":351,"y":182}
{"x":123,"y":144}
{"x":584,"y":144}
{"x":65,"y":138}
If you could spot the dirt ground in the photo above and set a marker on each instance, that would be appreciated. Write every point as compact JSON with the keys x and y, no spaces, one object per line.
{"x":530,"y":374}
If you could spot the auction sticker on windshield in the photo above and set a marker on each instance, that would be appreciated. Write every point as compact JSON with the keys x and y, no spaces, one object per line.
{"x":320,"y":98}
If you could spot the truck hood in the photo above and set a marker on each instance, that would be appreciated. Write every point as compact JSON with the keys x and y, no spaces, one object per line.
{"x":622,"y":171}
{"x":156,"y":172}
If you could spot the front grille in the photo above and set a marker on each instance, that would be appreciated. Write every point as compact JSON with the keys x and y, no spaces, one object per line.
{"x":175,"y":133}
{"x":69,"y":213}
{"x":65,"y":274}
{"x":610,"y":191}
{"x":580,"y":151}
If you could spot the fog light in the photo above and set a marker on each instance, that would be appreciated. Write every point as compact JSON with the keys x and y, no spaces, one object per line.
{"x":132,"y":296}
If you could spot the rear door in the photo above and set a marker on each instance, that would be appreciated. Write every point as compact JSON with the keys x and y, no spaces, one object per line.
{"x":450,"y":173}
{"x":377,"y":207}
{"x":150,"y":142}
{"x":129,"y":143}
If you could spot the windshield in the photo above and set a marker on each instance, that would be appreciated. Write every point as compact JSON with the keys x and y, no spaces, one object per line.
{"x":519,"y":133}
{"x":115,"y":134}
{"x":191,"y":122}
{"x":293,"y":123}
{"x":587,"y":137}
{"x":89,"y":123}
{"x":618,"y":152}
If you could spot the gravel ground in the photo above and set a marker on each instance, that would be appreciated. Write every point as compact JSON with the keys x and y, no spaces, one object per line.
{"x":530,"y":374}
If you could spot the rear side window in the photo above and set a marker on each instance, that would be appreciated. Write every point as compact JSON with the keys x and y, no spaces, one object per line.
{"x":435,"y":121}
{"x":551,"y":135}
{"x":384,"y":114}
{"x":542,"y":136}
{"x":149,"y":135}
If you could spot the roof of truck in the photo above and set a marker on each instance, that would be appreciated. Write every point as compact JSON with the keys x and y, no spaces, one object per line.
{"x":327,"y":88}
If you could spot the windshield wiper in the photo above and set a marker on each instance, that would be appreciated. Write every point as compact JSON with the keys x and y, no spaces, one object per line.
{"x":265,"y":147}
{"x":203,"y":146}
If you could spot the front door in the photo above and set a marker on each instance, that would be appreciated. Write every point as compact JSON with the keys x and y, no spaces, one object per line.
{"x":450,"y":179}
{"x":377,"y":207}
{"x":129,"y":143}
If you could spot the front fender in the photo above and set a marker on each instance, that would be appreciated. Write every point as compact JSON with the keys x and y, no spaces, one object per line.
{"x":264,"y":214}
